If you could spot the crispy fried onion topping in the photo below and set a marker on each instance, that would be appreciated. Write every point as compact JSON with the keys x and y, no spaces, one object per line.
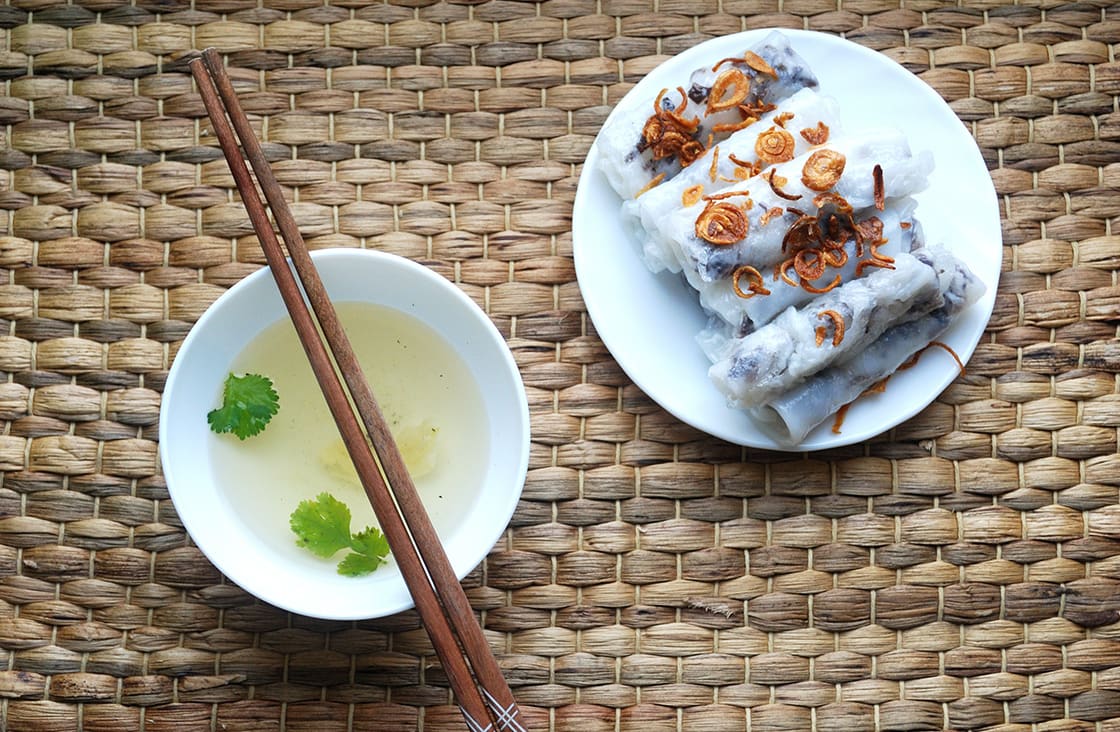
{"x":838,"y":421}
{"x":775,"y":145}
{"x":783,"y":268}
{"x":722,"y":195}
{"x":836,"y":228}
{"x":809,"y":264}
{"x":869,"y":237}
{"x":876,"y":260}
{"x":728,"y":60}
{"x":722,"y":223}
{"x":691,"y":195}
{"x":735,"y":126}
{"x":759,"y":64}
{"x":776,"y":182}
{"x":837,"y":327}
{"x":690,"y":151}
{"x":879,"y":256}
{"x":743,"y":168}
{"x":653,"y":183}
{"x":756,"y":108}
{"x":815,"y":135}
{"x":729,"y":91}
{"x":770,"y":213}
{"x":880,"y":194}
{"x":823,"y":170}
{"x":817,"y":243}
{"x":878,"y":387}
{"x":806,"y":230}
{"x":755,"y":285}
{"x":818,"y":290}
{"x":835,"y":257}
{"x":667,"y":134}
{"x":838,"y":202}
{"x":913,"y":360}
{"x":867,"y":232}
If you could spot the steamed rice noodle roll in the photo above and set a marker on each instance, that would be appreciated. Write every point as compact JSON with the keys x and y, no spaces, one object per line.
{"x":772,"y":360}
{"x":793,"y":414}
{"x":659,"y":135}
{"x":898,"y":232}
{"x":750,"y":223}
{"x":791,"y":129}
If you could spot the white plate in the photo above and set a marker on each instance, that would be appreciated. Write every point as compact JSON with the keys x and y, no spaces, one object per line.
{"x":649,"y":322}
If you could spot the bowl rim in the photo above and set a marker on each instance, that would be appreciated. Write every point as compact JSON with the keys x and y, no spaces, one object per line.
{"x":512,"y":428}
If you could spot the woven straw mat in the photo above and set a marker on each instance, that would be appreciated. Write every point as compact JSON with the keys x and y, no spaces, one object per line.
{"x":960,"y":572}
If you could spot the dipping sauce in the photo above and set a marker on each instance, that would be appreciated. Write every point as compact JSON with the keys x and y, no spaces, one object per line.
{"x":426,"y":393}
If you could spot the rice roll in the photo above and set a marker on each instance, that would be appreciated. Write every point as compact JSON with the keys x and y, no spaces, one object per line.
{"x":792,"y":415}
{"x":792,"y":128}
{"x":764,"y":364}
{"x":653,"y":137}
{"x":900,"y":233}
{"x":749,"y":223}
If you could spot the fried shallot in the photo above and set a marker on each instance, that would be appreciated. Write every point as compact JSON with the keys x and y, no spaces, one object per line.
{"x":667,"y":134}
{"x":722,"y":223}
{"x":774,"y":146}
{"x":729,"y":90}
{"x":653,"y":183}
{"x":880,"y":194}
{"x":815,"y":135}
{"x":823,"y":170}
{"x":759,"y":64}
{"x":691,"y":195}
{"x":755,"y":285}
{"x":776,"y":182}
{"x":837,"y":327}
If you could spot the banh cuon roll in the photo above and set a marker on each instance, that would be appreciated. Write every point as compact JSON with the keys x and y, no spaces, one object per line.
{"x":653,"y":140}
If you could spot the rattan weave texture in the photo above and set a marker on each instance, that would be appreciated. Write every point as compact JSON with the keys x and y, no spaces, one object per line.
{"x":961,"y":572}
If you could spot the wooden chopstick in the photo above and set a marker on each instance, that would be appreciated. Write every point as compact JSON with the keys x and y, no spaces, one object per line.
{"x":484,"y":696}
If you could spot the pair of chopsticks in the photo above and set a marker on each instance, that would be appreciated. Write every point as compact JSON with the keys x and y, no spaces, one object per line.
{"x":476,"y":680}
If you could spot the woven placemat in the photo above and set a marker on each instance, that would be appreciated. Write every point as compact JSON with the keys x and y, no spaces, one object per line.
{"x":960,"y":572}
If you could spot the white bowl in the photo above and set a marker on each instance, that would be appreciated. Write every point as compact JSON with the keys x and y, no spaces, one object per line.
{"x":272,"y":568}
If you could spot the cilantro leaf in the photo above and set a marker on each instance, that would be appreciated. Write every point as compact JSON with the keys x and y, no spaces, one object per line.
{"x":322,"y":525}
{"x":356,"y":565}
{"x":369,"y":551}
{"x":248,"y":404}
